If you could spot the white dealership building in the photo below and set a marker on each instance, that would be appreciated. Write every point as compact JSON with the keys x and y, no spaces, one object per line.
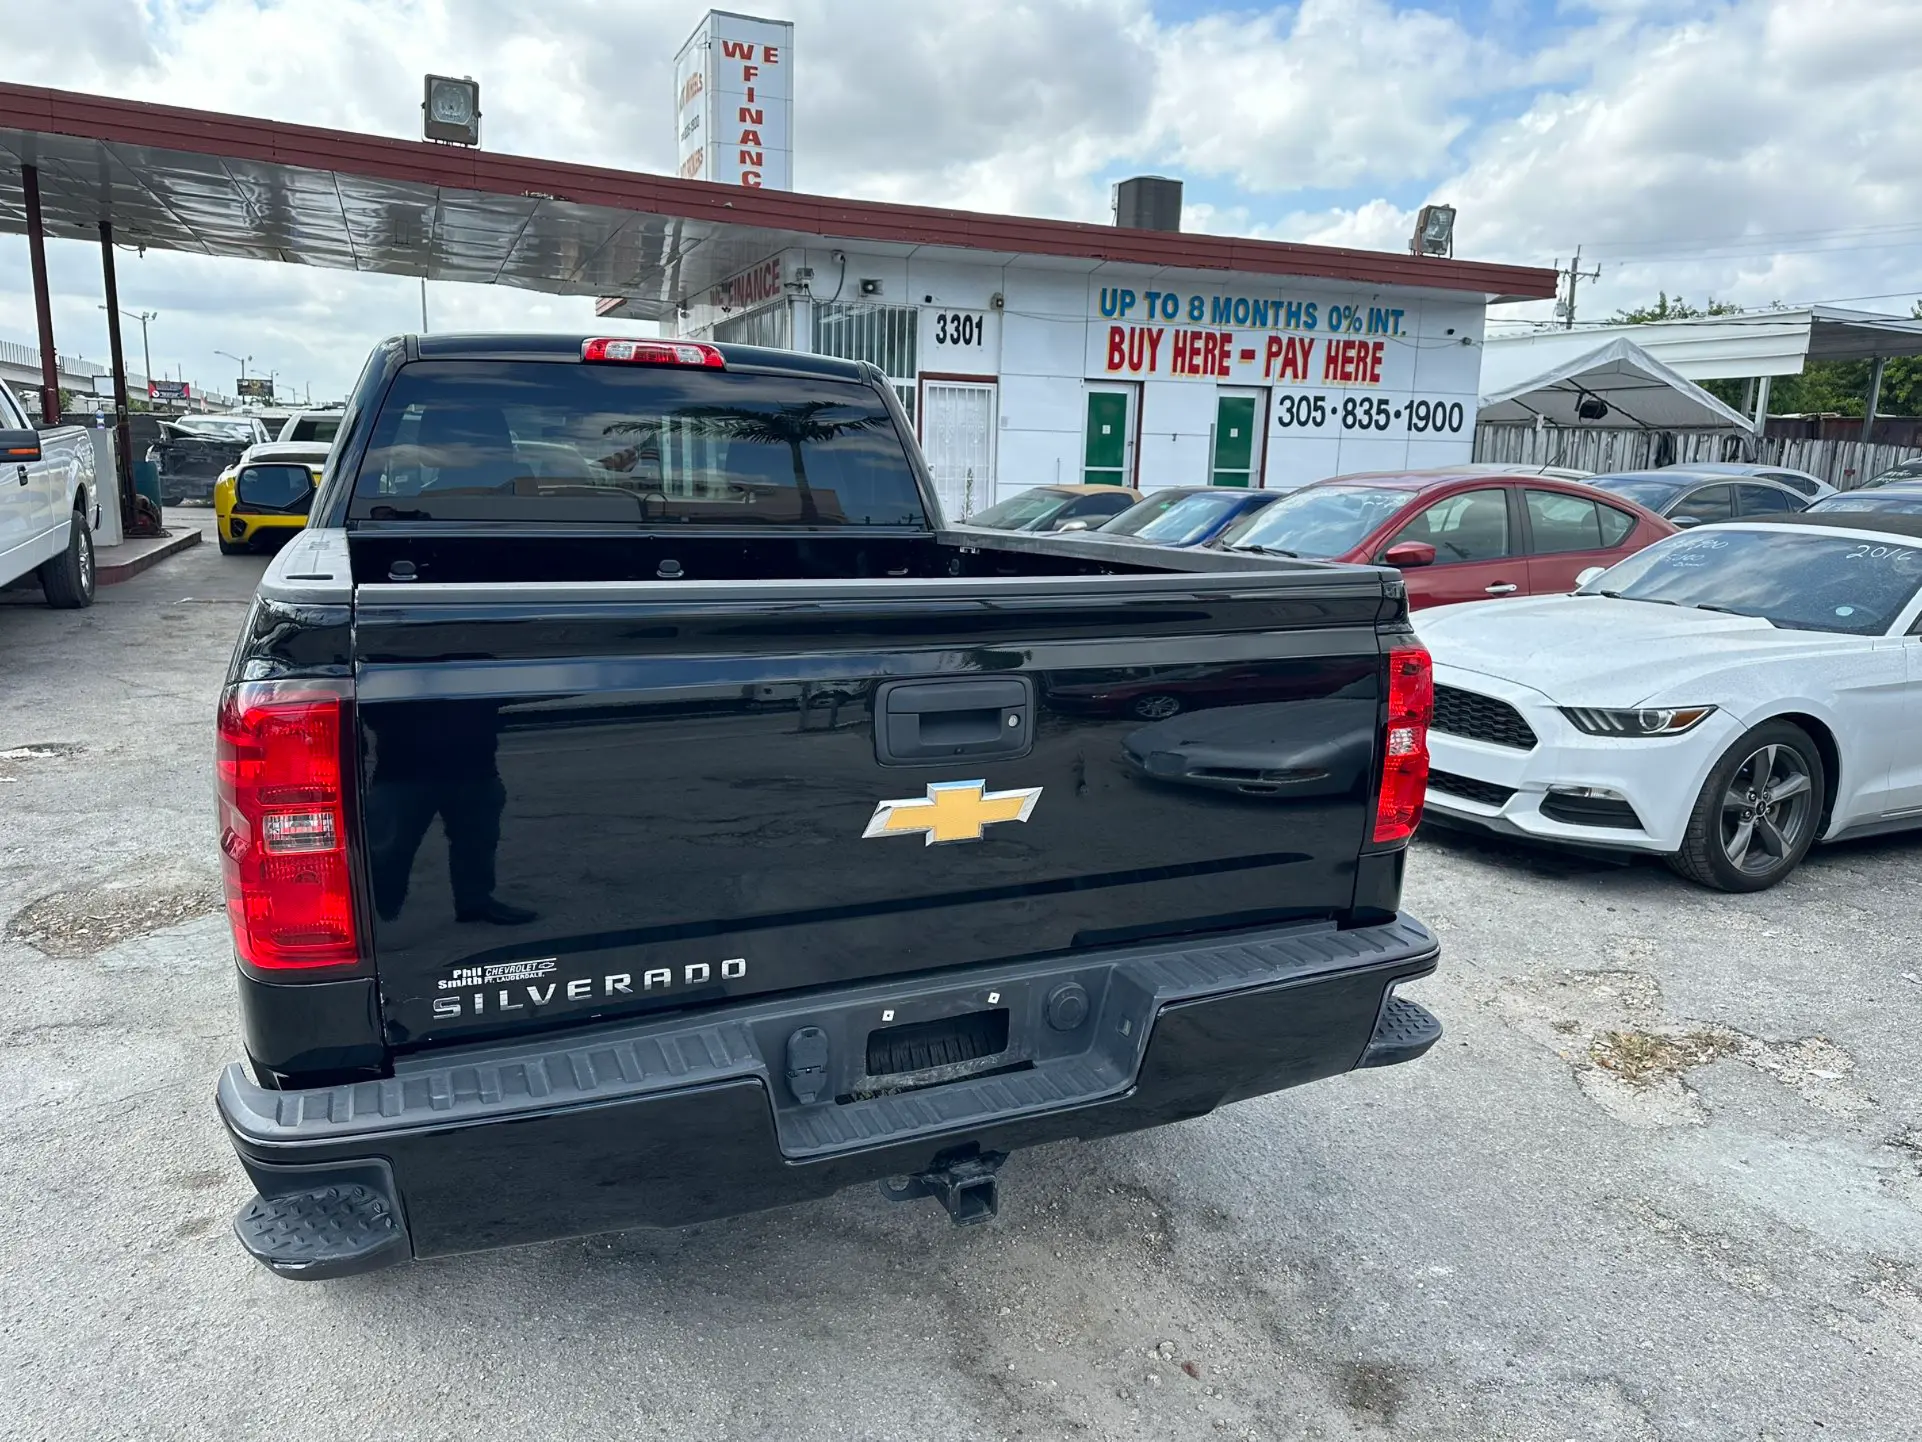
{"x":1033,"y":352}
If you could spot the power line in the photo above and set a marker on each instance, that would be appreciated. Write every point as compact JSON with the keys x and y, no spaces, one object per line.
{"x":1651,"y":258}
{"x":1763,"y":237}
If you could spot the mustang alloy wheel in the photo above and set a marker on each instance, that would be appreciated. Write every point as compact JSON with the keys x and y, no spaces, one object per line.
{"x":1758,"y":811}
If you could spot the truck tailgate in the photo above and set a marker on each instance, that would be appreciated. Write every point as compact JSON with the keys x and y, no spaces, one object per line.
{"x":685,"y":785}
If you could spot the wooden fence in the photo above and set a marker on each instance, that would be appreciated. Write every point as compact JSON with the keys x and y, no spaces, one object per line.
{"x":1843,"y":464}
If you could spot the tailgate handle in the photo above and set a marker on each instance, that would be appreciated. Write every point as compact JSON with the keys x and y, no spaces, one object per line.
{"x":945,"y":720}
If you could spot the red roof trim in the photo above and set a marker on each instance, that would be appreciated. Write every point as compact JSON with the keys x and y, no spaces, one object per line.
{"x":200,"y":132}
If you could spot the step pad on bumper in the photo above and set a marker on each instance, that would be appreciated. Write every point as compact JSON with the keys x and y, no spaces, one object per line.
{"x":1405,"y":1031}
{"x":328,"y":1232}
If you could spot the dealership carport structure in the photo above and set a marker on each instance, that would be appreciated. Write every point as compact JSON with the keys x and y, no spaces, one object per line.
{"x":94,"y":168}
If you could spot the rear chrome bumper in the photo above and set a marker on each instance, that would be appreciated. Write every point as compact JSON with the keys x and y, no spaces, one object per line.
{"x":690,"y":1118}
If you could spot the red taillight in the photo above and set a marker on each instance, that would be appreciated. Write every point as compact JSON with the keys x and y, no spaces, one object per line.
{"x":651,"y":352}
{"x":283,"y":830}
{"x":1404,"y":766}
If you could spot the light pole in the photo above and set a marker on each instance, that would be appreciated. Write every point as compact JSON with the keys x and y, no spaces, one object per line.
{"x":243,"y":368}
{"x":146,"y":355}
{"x":272,"y":377}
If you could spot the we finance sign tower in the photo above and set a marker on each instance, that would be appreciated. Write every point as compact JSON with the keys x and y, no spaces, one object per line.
{"x":734,"y":101}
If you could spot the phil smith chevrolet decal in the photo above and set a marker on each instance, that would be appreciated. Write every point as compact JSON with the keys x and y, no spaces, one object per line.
{"x":951,"y":811}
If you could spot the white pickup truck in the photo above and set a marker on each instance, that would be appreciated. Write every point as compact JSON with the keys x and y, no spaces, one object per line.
{"x":47,"y":500}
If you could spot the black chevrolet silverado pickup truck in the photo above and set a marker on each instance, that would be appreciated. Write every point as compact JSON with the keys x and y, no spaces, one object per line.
{"x":637,"y":807}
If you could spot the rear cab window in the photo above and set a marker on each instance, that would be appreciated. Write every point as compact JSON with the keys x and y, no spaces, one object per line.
{"x":561,"y":441}
{"x":313,"y":428}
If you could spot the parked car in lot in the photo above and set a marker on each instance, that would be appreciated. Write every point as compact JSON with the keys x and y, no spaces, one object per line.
{"x":266,"y":495}
{"x":1455,"y":537}
{"x":193,"y":452}
{"x":1896,"y":474}
{"x":1057,"y":508}
{"x":557,"y":909}
{"x":1696,"y":497}
{"x":48,"y":504}
{"x":1181,"y":516}
{"x":1892,"y":496}
{"x":1801,"y":482}
{"x":1725,"y":699}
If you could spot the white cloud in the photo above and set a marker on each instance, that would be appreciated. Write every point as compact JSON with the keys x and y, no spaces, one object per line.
{"x":1648,"y":132}
{"x":1335,"y":93}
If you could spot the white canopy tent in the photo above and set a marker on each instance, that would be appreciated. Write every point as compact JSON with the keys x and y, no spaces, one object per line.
{"x":1616,"y":382}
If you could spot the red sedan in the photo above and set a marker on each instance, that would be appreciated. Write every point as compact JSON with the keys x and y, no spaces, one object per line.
{"x":1455,"y":536}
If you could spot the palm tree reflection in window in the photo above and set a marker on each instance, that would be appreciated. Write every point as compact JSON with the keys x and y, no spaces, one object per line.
{"x":795,"y":427}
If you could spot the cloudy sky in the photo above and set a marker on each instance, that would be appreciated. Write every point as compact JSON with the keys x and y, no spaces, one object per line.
{"x":1757,"y":150}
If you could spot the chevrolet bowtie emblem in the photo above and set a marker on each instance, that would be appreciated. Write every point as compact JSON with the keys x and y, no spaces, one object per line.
{"x":951,"y":811}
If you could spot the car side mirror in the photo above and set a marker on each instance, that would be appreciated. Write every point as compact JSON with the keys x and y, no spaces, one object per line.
{"x":1072,"y":526}
{"x":1592,"y":573}
{"x":20,"y":445}
{"x":1405,"y":555}
{"x":1685,"y":521}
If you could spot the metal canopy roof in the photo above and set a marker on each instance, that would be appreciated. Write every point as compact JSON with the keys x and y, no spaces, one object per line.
{"x":1734,"y":347}
{"x":228,"y":185}
{"x":1639,"y":390}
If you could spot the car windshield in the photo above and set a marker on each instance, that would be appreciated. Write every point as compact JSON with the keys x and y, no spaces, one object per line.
{"x":1018,"y":511}
{"x":1320,"y":521}
{"x":1643,"y":490}
{"x":1906,"y":471}
{"x":551,"y":441}
{"x":1798,"y":580}
{"x":1173,"y":521}
{"x":1906,"y":500}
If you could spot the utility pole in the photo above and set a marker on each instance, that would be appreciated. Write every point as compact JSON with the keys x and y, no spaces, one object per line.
{"x":1574,"y":275}
{"x":146,"y":352}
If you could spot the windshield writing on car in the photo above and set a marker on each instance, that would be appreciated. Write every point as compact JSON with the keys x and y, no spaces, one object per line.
{"x":1907,"y":501}
{"x":1794,"y":579}
{"x":564,"y":441}
{"x":1320,"y":521}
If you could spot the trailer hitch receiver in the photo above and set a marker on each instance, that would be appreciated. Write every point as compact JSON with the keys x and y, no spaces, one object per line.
{"x":967,"y":1188}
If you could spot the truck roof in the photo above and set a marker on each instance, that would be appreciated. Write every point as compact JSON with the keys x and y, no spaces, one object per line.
{"x":567,"y":346}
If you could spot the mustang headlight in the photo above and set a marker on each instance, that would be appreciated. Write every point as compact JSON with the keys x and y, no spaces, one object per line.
{"x":1639,"y":721}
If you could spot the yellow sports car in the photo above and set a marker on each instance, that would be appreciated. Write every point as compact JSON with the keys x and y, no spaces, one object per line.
{"x":266,"y":493}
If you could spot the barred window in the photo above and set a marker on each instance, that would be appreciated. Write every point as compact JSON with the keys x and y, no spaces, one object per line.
{"x":882,"y":335}
{"x":771,"y":325}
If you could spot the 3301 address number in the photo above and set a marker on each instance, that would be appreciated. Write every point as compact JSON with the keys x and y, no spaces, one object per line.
{"x":960,"y":329}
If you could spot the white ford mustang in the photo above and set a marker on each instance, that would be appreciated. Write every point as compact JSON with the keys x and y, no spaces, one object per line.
{"x":1724,"y":698}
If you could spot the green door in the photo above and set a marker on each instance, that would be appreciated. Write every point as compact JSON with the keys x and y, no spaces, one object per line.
{"x":1106,"y":454}
{"x":1234,"y":441}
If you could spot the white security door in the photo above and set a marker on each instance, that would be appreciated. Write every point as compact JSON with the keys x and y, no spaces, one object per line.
{"x":957,"y":436}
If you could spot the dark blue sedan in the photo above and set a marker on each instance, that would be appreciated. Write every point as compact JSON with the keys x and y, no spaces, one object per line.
{"x":1182,"y":515}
